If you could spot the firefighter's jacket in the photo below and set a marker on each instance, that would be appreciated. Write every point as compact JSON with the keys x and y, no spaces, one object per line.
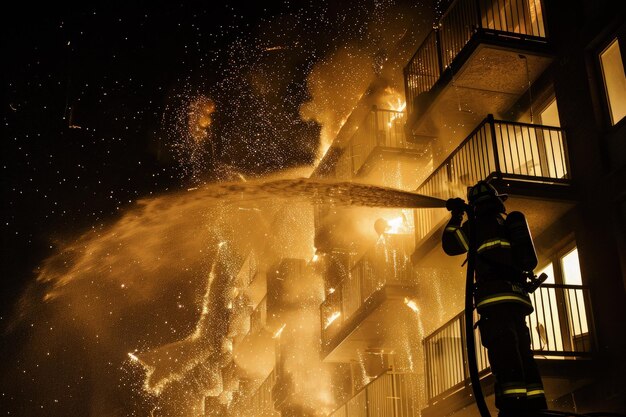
{"x":498,"y":280}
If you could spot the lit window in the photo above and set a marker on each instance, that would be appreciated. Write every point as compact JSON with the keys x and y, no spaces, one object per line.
{"x":614,"y":81}
{"x":550,"y":115}
{"x":571,"y":268}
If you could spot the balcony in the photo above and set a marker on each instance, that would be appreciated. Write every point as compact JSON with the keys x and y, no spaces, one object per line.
{"x":256,"y":349}
{"x":529,"y":162}
{"x":562,"y":340}
{"x":259,"y":404}
{"x":258,"y":318}
{"x":378,"y":142}
{"x":480,"y":58}
{"x":354,"y":314}
{"x":389,"y":395}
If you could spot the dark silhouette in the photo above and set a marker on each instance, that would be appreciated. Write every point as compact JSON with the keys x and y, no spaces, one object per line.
{"x":505,"y":259}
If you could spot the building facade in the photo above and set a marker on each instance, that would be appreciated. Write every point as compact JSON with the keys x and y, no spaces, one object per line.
{"x":530,"y":95}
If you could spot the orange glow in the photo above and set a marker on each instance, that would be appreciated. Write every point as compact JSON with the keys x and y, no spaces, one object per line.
{"x":411,"y":304}
{"x":200,"y":119}
{"x":332,"y":318}
{"x":279,"y":331}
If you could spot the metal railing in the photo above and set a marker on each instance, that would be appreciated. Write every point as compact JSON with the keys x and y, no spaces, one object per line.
{"x":261,"y":404}
{"x":381,"y":128}
{"x":560,"y":327}
{"x":368,"y":275}
{"x":389,"y":395}
{"x":498,"y":149}
{"x":517,"y":18}
{"x":258,"y":318}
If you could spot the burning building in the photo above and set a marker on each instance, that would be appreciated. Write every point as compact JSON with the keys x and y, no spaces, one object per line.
{"x":527,"y":94}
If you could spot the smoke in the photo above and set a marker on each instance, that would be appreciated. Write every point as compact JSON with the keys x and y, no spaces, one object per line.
{"x":155,"y":284}
{"x":374,"y":55}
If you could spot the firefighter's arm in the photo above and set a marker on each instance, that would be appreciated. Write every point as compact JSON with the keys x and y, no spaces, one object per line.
{"x":454,"y":240}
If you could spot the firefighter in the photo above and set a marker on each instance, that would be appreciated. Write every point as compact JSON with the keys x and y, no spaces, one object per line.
{"x":505,"y":256}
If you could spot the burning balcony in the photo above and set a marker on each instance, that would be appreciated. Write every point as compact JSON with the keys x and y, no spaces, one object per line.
{"x":378,"y":151}
{"x":391,"y":394}
{"x":481,"y":58}
{"x":529,"y":162}
{"x":356,"y":313}
{"x":562,"y":340}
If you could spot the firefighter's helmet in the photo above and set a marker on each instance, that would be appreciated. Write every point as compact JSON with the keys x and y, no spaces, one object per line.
{"x":483,"y":192}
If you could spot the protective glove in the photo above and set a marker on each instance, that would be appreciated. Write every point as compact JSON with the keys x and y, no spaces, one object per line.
{"x":456,"y":206}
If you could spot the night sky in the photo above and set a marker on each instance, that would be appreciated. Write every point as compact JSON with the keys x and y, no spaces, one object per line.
{"x":96,"y":111}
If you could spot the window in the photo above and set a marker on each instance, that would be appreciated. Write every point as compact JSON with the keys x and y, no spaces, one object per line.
{"x":614,"y":81}
{"x":559,"y":323}
{"x":549,"y":116}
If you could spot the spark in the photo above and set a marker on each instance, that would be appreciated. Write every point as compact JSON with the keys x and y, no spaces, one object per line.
{"x":276,"y":48}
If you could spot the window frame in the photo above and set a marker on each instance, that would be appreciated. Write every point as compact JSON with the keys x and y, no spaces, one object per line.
{"x":556,"y":259}
{"x":601,"y":84}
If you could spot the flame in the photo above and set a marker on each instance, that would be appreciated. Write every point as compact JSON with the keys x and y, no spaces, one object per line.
{"x":395,"y":225}
{"x":411,"y":304}
{"x":332,"y":318}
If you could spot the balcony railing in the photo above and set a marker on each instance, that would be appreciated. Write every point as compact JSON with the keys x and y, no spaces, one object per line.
{"x":513,"y":18}
{"x":390,"y":395}
{"x":380,"y":129}
{"x":366,"y":277}
{"x":560,"y":328}
{"x":258,"y":318}
{"x":261,"y":404}
{"x":496,"y":149}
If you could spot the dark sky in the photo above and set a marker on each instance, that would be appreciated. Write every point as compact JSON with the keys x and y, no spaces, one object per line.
{"x":95,"y":106}
{"x":121,"y":73}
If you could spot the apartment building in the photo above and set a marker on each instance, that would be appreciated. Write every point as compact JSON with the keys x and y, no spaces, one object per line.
{"x":530,"y":95}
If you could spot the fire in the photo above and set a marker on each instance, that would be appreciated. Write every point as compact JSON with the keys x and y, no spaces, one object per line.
{"x":396,"y":225}
{"x":395,"y":103}
{"x":332,"y":318}
{"x":411,"y":304}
